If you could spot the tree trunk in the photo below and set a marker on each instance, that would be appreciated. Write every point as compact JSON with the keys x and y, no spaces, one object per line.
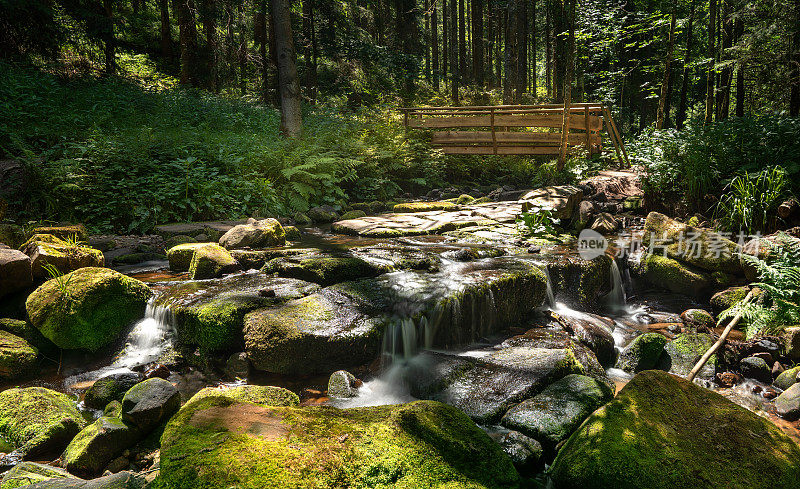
{"x":188,"y":39}
{"x":681,"y":116}
{"x":166,"y":30}
{"x":740,"y":72}
{"x":712,"y":32}
{"x":288,"y":85}
{"x":477,"y":42}
{"x":242,"y":51}
{"x":262,"y":38}
{"x":427,"y":48}
{"x":308,"y":50}
{"x":462,"y":42}
{"x":570,"y":68}
{"x":454,"y":77}
{"x":663,"y":101}
{"x":445,"y":41}
{"x":522,"y":49}
{"x":548,"y":36}
{"x":794,"y":91}
{"x":210,"y":27}
{"x":435,"y":44}
{"x":510,"y":55}
{"x":498,"y":45}
{"x":726,"y":74}
{"x":534,"y":50}
{"x":109,"y":41}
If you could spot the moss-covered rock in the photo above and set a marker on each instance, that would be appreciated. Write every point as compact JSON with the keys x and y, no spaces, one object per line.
{"x":29,"y":333}
{"x":292,"y":233}
{"x":552,"y":415}
{"x":27,"y":473}
{"x":425,"y":206}
{"x":787,"y":405}
{"x":180,"y":256}
{"x":698,"y":318}
{"x":99,"y":443}
{"x":352,"y":215}
{"x":65,"y":257}
{"x":755,"y":368}
{"x":110,"y":388}
{"x":326,"y":270}
{"x":322,"y":214}
{"x":17,"y":356}
{"x":220,"y":443}
{"x":702,"y":248}
{"x":88,"y":308}
{"x":134,"y":258}
{"x":676,"y":276}
{"x":211,"y":261}
{"x":257,"y":234}
{"x":579,"y":283}
{"x":662,"y":432}
{"x":150,"y":402}
{"x":727,"y":298}
{"x":682,"y":354}
{"x":341,"y":385}
{"x":38,"y":420}
{"x":74,"y":232}
{"x":643,"y":353}
{"x":262,"y":395}
{"x":301,"y":219}
{"x":787,"y":378}
{"x":465,"y":199}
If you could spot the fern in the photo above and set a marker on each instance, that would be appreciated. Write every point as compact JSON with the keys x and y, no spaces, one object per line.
{"x":779,"y":304}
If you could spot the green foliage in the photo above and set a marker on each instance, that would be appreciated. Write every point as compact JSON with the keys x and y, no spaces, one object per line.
{"x":700,"y":160}
{"x":62,"y":281}
{"x":779,"y":275}
{"x":751,"y":199}
{"x":537,"y":221}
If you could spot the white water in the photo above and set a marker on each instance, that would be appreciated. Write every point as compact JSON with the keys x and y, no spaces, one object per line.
{"x":388,"y":388}
{"x":616,"y":299}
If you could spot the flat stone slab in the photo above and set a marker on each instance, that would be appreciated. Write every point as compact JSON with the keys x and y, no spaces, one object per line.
{"x":561,"y":200}
{"x":191,"y":228}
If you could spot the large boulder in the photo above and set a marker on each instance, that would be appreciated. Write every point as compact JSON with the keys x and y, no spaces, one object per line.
{"x":211,"y":261}
{"x":676,"y":276}
{"x":561,"y":200}
{"x":327,"y":270}
{"x":88,"y":308}
{"x":524,"y":451}
{"x":642,"y":353}
{"x":98,"y":444}
{"x":683,"y":353}
{"x":180,"y":256}
{"x":787,"y":405}
{"x":787,"y":378}
{"x":552,"y":415}
{"x":26,"y":473}
{"x":580,"y":283}
{"x":73,"y":232}
{"x":112,"y":387}
{"x":28,"y":332}
{"x":662,"y":432}
{"x":64,"y":256}
{"x":38,"y":421}
{"x":15,"y":271}
{"x":120,"y":480}
{"x":257,"y":234}
{"x":262,"y":395}
{"x":791,"y":343}
{"x":700,"y":247}
{"x":594,"y":332}
{"x":149,"y":403}
{"x":424,"y":207}
{"x":17,"y":356}
{"x":725,"y":299}
{"x":218,"y":442}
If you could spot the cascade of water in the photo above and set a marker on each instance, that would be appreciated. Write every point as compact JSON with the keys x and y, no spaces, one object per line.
{"x":616,"y":299}
{"x":148,"y":338}
{"x":400,"y":340}
{"x":551,"y":296}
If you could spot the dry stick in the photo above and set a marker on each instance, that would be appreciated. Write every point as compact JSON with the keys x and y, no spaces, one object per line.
{"x":721,"y":339}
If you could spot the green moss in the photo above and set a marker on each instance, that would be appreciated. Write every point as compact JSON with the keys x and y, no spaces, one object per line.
{"x":97,"y":444}
{"x":90,"y":311}
{"x":211,"y":261}
{"x":423,"y":444}
{"x":301,"y":219}
{"x":728,"y":298}
{"x":662,"y":432}
{"x":324,"y":270}
{"x":352,"y":215}
{"x":292,"y":233}
{"x":675,"y":276}
{"x":425,"y":206}
{"x":257,"y":394}
{"x":465,"y":199}
{"x":216,"y":325}
{"x":27,"y":473}
{"x":643,"y":353}
{"x":28,"y":332}
{"x":133,"y":258}
{"x":17,"y":357}
{"x":77,"y":231}
{"x":180,"y":256}
{"x":38,"y":420}
{"x":787,"y":378}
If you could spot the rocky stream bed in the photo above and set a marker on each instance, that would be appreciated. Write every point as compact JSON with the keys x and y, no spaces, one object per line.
{"x":431,"y":345}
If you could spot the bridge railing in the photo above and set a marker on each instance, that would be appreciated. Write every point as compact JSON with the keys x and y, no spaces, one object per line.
{"x":512,"y":129}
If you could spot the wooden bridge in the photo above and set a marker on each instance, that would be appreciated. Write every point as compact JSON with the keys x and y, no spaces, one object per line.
{"x":516,"y":129}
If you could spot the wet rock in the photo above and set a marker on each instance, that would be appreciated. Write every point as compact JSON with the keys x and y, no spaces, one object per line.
{"x":180,"y":256}
{"x":88,"y":308}
{"x":99,"y":443}
{"x":728,"y":298}
{"x":256,"y":394}
{"x":134,"y":258}
{"x":65,"y":257}
{"x":791,"y":342}
{"x":38,"y":421}
{"x":777,"y":369}
{"x":327,"y":270}
{"x":179,"y":239}
{"x":323,"y":214}
{"x":211,"y":262}
{"x":728,"y":379}
{"x":210,"y":315}
{"x":756,"y":368}
{"x":421,"y":444}
{"x":658,"y":417}
{"x":110,"y":388}
{"x":586,"y":211}
{"x":605,"y":223}
{"x":580,"y":283}
{"x":787,"y":378}
{"x":121,"y":480}
{"x":552,"y":415}
{"x":156,"y":371}
{"x":594,"y":332}
{"x":17,"y":356}
{"x":15,"y":271}
{"x":292,"y":233}
{"x":149,"y":403}
{"x":28,"y":332}
{"x":684,"y":351}
{"x":342,"y":385}
{"x":26,"y":473}
{"x":698,"y":318}
{"x":675,"y":276}
{"x":237,"y":366}
{"x":255,"y":259}
{"x":259,"y":234}
{"x":525,"y":452}
{"x":486,"y":387}
{"x":353,"y":215}
{"x":643,"y":353}
{"x":301,"y":219}
{"x":425,"y":206}
{"x":74,"y":232}
{"x":562,"y":200}
{"x":787,"y":405}
{"x":698,"y":247}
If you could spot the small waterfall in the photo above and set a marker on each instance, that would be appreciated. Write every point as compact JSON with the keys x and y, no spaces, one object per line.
{"x":551,"y":296}
{"x":400,"y":340}
{"x":616,"y":298}
{"x":148,"y":338}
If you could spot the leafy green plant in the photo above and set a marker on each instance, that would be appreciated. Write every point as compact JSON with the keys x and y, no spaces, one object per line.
{"x":750,"y":200}
{"x":537,"y":221}
{"x":62,"y":281}
{"x":779,"y":304}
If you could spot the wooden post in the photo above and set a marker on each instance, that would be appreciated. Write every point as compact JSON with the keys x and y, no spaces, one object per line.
{"x":405,"y":118}
{"x":494,"y":135}
{"x":588,"y":131}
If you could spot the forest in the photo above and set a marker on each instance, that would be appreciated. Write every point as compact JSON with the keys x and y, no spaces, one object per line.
{"x":399,"y":243}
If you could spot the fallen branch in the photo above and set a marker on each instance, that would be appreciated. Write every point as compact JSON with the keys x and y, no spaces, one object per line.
{"x":721,"y":339}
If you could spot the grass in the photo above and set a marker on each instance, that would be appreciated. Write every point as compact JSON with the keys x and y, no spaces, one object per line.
{"x":124,"y":156}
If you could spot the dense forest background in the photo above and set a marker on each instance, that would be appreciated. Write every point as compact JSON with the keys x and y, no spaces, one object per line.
{"x":179,"y":92}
